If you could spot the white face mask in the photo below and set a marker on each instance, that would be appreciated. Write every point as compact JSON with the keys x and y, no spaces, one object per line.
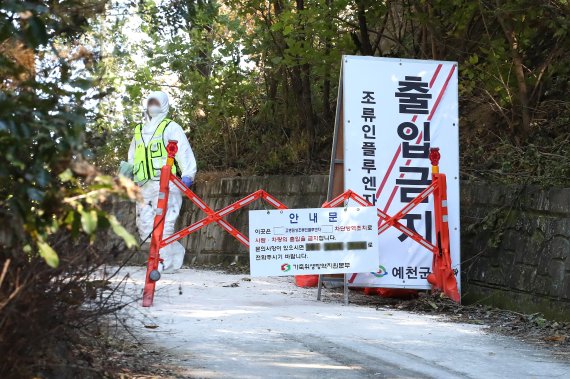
{"x":153,"y":110}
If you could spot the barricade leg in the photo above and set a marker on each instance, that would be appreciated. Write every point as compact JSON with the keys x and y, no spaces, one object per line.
{"x":442,"y":277}
{"x":152,"y":273}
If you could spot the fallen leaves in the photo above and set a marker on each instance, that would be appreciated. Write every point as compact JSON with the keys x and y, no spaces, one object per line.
{"x":534,"y":328}
{"x":556,"y":338}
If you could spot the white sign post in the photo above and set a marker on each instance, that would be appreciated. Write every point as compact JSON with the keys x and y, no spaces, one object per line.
{"x":313,"y":241}
{"x":393,"y":111}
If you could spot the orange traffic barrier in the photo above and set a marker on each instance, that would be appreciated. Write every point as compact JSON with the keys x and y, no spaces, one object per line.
{"x":442,"y":277}
{"x":306,"y":281}
{"x":157,"y":240}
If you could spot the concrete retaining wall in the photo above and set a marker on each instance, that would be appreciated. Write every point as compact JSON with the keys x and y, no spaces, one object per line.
{"x":516,"y":247}
{"x":212,"y":244}
{"x":515,"y":240}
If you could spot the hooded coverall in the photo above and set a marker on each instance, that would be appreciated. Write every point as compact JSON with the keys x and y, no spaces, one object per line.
{"x":173,"y":254}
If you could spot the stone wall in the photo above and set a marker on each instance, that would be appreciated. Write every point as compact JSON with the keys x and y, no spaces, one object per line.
{"x":212,"y":244}
{"x":515,"y":240}
{"x":516,"y":247}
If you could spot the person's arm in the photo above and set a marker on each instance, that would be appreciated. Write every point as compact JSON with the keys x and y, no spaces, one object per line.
{"x":185,"y":156}
{"x":131,"y":155}
{"x":126,"y":168}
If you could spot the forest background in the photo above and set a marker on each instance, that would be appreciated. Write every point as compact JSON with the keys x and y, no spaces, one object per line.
{"x":255,"y":82}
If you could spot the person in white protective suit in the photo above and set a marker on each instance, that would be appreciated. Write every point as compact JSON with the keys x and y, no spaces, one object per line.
{"x":147,"y":155}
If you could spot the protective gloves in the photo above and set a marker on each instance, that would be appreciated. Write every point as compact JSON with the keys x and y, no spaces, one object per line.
{"x":126,"y":169}
{"x":187,"y":181}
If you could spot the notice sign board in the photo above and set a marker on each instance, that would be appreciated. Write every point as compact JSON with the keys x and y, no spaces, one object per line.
{"x":313,"y":241}
{"x":393,"y":111}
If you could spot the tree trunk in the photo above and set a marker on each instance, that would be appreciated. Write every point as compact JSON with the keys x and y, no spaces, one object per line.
{"x":301,"y":82}
{"x":365,"y":44}
{"x":518,"y":67}
{"x":327,"y":112}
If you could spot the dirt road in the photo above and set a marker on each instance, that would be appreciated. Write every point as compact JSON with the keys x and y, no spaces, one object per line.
{"x":216,"y":325}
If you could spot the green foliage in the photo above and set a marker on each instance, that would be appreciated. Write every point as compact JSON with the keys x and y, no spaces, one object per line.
{"x":255,"y":83}
{"x":48,"y":184}
{"x":47,"y":253}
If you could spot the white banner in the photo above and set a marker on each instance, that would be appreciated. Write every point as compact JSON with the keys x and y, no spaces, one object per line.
{"x":394,"y":111}
{"x":313,"y":241}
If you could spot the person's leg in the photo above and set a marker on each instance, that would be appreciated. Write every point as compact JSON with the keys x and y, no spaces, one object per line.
{"x":172,"y":254}
{"x":146,"y":210}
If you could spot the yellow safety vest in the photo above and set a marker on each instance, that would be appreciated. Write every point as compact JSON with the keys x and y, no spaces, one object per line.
{"x":150,"y":159}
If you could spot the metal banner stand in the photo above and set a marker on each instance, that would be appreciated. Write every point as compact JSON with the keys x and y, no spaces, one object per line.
{"x":336,"y":183}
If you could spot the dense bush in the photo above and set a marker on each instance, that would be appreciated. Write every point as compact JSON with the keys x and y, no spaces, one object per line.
{"x":51,"y":319}
{"x":50,"y":194}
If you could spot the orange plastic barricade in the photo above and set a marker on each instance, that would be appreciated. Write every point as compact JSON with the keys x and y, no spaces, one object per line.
{"x":306,"y":281}
{"x":441,"y":278}
{"x":157,"y":242}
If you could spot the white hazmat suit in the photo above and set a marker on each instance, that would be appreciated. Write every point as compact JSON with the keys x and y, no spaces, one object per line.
{"x":173,"y":254}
